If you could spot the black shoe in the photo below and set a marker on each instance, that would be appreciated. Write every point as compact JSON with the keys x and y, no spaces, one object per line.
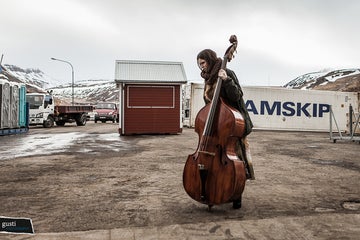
{"x":248,"y":176}
{"x":237,"y":204}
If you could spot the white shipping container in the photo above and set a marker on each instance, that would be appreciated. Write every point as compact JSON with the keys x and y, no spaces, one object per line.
{"x":288,"y":109}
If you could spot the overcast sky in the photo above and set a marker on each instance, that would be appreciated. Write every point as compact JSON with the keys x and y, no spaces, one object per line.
{"x":278,"y":40}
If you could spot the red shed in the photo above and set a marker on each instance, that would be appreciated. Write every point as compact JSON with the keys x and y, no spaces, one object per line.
{"x":150,"y":96}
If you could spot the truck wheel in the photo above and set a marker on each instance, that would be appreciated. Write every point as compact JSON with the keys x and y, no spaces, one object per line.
{"x":81,"y":121}
{"x":49,"y":123}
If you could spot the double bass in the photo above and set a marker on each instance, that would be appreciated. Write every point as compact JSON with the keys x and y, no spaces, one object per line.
{"x":214,"y":174}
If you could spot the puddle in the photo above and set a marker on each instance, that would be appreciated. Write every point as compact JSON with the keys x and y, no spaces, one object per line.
{"x":342,"y":164}
{"x":29,"y":145}
{"x":46,"y":144}
{"x":109,"y":137}
{"x":324,"y":162}
{"x":312,"y":146}
{"x":320,"y":209}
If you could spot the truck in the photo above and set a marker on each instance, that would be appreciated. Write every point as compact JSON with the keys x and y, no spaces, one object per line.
{"x":43,"y":111}
{"x":106,"y":111}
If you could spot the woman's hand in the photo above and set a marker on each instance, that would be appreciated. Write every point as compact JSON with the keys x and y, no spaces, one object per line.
{"x":222,"y":75}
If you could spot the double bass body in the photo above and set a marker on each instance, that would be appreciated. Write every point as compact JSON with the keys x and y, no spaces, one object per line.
{"x":214,"y":174}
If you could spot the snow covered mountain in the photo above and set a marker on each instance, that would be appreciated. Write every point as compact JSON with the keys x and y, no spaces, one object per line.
{"x":87,"y":91}
{"x":32,"y":78}
{"x":346,"y":80}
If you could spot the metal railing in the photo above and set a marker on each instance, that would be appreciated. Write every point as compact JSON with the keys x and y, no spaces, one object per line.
{"x":338,"y":135}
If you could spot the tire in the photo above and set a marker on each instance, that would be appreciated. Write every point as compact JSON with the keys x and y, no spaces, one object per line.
{"x":82,"y":120}
{"x":49,"y":123}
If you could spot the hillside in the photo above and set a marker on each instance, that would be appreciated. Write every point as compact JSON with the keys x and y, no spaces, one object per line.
{"x":32,"y":78}
{"x":90,"y":91}
{"x":86,"y":91}
{"x":345,"y":80}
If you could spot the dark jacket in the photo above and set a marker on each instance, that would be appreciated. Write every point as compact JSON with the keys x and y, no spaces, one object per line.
{"x":232,"y":93}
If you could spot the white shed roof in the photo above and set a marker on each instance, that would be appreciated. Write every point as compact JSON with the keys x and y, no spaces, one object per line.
{"x":149,"y":71}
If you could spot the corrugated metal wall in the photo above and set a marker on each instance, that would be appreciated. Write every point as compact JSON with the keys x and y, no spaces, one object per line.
{"x":151,"y":109}
{"x":149,"y":71}
{"x":14,"y":106}
{"x":4,"y":104}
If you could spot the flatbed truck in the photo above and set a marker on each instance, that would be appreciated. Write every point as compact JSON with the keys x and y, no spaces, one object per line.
{"x":43,"y":111}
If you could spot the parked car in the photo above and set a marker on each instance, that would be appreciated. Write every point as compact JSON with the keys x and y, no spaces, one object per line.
{"x":106,"y":112}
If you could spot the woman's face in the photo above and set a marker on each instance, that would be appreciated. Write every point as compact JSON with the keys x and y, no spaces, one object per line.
{"x":203,"y":65}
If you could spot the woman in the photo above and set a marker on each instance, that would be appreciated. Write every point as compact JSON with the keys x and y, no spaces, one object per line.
{"x":210,"y":66}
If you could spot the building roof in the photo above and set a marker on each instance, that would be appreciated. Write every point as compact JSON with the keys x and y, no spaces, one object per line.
{"x":149,"y":71}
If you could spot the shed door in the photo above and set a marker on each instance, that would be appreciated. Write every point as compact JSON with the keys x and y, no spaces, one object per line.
{"x":152,"y":109}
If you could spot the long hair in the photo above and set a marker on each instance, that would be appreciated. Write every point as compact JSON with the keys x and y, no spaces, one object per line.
{"x":209,"y":56}
{"x":210,"y":74}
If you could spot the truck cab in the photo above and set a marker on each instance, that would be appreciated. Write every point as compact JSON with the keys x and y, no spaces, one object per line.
{"x":41,"y":109}
{"x":106,"y":112}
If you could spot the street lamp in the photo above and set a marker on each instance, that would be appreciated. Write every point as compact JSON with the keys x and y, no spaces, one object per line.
{"x":72,"y":77}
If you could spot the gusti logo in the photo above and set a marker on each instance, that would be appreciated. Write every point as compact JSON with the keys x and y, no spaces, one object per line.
{"x":8,"y":224}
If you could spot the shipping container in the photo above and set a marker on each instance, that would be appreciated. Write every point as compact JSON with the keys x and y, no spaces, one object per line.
{"x":288,"y":109}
